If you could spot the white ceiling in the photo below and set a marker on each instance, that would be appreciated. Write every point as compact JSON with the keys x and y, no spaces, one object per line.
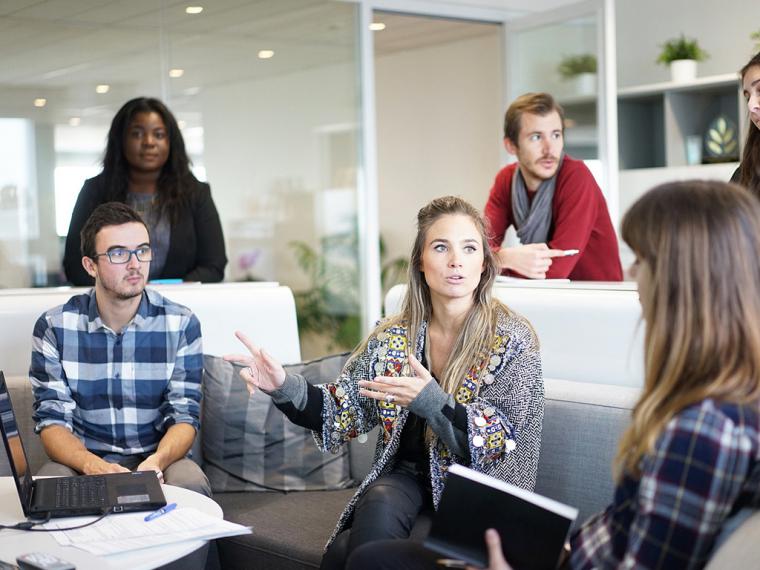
{"x":61,"y":49}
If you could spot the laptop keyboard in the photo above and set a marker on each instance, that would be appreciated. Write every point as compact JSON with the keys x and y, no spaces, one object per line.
{"x":80,"y":492}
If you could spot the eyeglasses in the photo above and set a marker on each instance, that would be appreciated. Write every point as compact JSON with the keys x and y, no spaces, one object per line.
{"x":121,"y":255}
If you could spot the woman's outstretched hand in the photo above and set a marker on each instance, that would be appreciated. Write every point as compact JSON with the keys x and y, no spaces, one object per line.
{"x":260,"y":370}
{"x":399,"y":390}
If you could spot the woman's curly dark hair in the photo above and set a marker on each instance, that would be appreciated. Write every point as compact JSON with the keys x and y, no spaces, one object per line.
{"x":175,"y":175}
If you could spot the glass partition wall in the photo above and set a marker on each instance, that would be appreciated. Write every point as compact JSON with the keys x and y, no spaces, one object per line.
{"x":267,"y":96}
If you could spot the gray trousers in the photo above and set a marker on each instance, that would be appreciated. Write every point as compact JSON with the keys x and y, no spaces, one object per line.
{"x":184,"y":473}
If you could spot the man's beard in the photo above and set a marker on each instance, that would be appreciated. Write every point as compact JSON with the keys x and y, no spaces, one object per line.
{"x":127,"y":291}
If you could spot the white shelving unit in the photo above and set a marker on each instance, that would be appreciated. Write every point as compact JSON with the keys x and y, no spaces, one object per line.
{"x":655,"y":120}
{"x":581,"y":133}
{"x":653,"y":124}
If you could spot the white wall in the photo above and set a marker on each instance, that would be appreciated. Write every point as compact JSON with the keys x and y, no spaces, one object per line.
{"x":541,"y":50}
{"x":439,"y":121}
{"x":722,"y":28}
{"x":267,"y":160}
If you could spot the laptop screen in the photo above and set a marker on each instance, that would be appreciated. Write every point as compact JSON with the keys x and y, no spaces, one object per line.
{"x":13,"y":446}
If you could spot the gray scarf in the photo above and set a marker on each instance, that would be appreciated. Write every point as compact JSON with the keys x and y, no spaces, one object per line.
{"x":533,"y":220}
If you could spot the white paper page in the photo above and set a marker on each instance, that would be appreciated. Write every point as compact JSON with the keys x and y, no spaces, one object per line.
{"x":122,"y":533}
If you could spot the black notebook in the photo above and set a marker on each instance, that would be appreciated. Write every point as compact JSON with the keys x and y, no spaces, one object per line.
{"x":533,"y":528}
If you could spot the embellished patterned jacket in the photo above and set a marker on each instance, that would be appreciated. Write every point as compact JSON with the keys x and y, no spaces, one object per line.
{"x":502,"y":399}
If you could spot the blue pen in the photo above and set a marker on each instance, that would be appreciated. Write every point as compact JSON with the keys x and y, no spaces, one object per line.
{"x":161,"y":511}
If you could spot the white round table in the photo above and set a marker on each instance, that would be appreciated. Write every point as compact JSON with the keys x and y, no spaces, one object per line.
{"x":16,"y":542}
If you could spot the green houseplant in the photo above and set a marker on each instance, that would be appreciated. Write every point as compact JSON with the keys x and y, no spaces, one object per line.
{"x":755,"y":36}
{"x":573,"y":65}
{"x":330,"y":307}
{"x":581,"y":69}
{"x":682,"y":55}
{"x":681,"y":48}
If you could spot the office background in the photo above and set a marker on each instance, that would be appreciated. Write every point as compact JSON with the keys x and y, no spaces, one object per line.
{"x":273,"y":101}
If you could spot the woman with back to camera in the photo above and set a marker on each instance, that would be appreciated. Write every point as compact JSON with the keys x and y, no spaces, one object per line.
{"x":748,"y":173}
{"x":454,"y":378}
{"x":146,"y":166}
{"x":690,"y":458}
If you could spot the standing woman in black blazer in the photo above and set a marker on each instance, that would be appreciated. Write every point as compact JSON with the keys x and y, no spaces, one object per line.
{"x":146,"y":167}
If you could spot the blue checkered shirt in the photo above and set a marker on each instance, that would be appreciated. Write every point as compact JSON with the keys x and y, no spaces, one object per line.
{"x":118,"y":393}
{"x":704,"y":468}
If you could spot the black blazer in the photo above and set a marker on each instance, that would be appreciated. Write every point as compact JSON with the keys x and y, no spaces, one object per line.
{"x":196,"y":243}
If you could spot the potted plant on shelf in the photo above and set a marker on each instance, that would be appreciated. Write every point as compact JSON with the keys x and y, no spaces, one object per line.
{"x":581,"y":69}
{"x":756,"y":37}
{"x":682,"y":54}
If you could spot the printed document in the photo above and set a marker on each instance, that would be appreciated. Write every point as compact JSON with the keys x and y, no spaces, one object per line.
{"x":122,"y":533}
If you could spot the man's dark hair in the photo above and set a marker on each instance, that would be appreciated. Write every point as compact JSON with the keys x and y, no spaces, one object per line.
{"x":534,"y":103}
{"x":108,"y":214}
{"x":176,"y":178}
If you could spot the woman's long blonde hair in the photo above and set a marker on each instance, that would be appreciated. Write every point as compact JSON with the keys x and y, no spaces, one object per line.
{"x":476,"y":336}
{"x":698,"y":242}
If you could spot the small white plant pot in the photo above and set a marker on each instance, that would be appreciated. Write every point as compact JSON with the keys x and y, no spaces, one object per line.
{"x":683,"y":70}
{"x":585,"y":83}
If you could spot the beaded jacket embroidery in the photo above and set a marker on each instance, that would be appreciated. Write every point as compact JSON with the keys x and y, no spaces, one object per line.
{"x":503,"y":395}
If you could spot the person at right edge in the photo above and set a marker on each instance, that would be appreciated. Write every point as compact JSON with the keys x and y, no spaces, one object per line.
{"x":748,"y":173}
{"x":551,"y":199}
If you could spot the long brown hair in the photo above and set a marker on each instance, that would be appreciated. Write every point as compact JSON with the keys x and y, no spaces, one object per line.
{"x":476,"y":336}
{"x":749,"y":175}
{"x":176,"y":178}
{"x":697,"y":242}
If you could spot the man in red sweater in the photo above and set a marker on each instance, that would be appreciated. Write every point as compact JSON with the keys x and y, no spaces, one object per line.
{"x":552,"y":200}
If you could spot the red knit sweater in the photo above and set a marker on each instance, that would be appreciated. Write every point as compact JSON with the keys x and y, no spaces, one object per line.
{"x":580,"y":220}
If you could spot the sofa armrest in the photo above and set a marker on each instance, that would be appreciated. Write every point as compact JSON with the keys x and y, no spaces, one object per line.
{"x":20,"y":391}
{"x":737,"y":546}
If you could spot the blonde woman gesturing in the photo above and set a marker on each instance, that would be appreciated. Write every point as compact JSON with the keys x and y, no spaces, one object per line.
{"x":691,"y":456}
{"x":454,"y":378}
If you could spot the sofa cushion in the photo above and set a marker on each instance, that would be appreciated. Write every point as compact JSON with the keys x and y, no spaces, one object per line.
{"x":290,"y":530}
{"x":249,"y":445}
{"x":22,"y":398}
{"x":582,"y":427}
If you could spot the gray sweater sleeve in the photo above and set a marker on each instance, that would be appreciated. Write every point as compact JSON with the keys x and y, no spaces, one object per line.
{"x":293,"y":390}
{"x":429,"y":404}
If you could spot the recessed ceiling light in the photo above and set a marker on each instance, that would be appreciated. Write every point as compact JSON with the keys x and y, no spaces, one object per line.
{"x":194,"y":9}
{"x":40,"y":102}
{"x":176,"y":72}
{"x":181,"y":124}
{"x":266,"y":54}
{"x":74,"y":121}
{"x":377,"y":26}
{"x":102,"y":88}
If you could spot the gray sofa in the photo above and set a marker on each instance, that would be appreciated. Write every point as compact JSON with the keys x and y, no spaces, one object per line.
{"x":582,"y":425}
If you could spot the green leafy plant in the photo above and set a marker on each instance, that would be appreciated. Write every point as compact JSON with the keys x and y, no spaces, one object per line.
{"x":330,"y":305}
{"x":573,"y":65}
{"x":756,"y":37}
{"x":681,"y":48}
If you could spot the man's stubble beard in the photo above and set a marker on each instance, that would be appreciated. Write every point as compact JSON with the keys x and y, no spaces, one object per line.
{"x":130,"y":293}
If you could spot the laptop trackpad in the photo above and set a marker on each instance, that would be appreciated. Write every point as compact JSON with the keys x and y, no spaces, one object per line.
{"x":130,"y":493}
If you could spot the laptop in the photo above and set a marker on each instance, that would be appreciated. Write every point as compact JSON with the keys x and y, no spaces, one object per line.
{"x":73,"y":496}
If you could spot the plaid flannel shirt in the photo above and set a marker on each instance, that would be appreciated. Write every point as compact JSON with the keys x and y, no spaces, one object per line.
{"x":704,"y":467}
{"x":119,"y":393}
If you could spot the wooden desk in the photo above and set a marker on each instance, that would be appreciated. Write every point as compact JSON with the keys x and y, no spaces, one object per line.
{"x":15,"y":542}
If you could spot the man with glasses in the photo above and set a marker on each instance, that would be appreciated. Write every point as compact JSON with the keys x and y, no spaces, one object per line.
{"x":116,"y":372}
